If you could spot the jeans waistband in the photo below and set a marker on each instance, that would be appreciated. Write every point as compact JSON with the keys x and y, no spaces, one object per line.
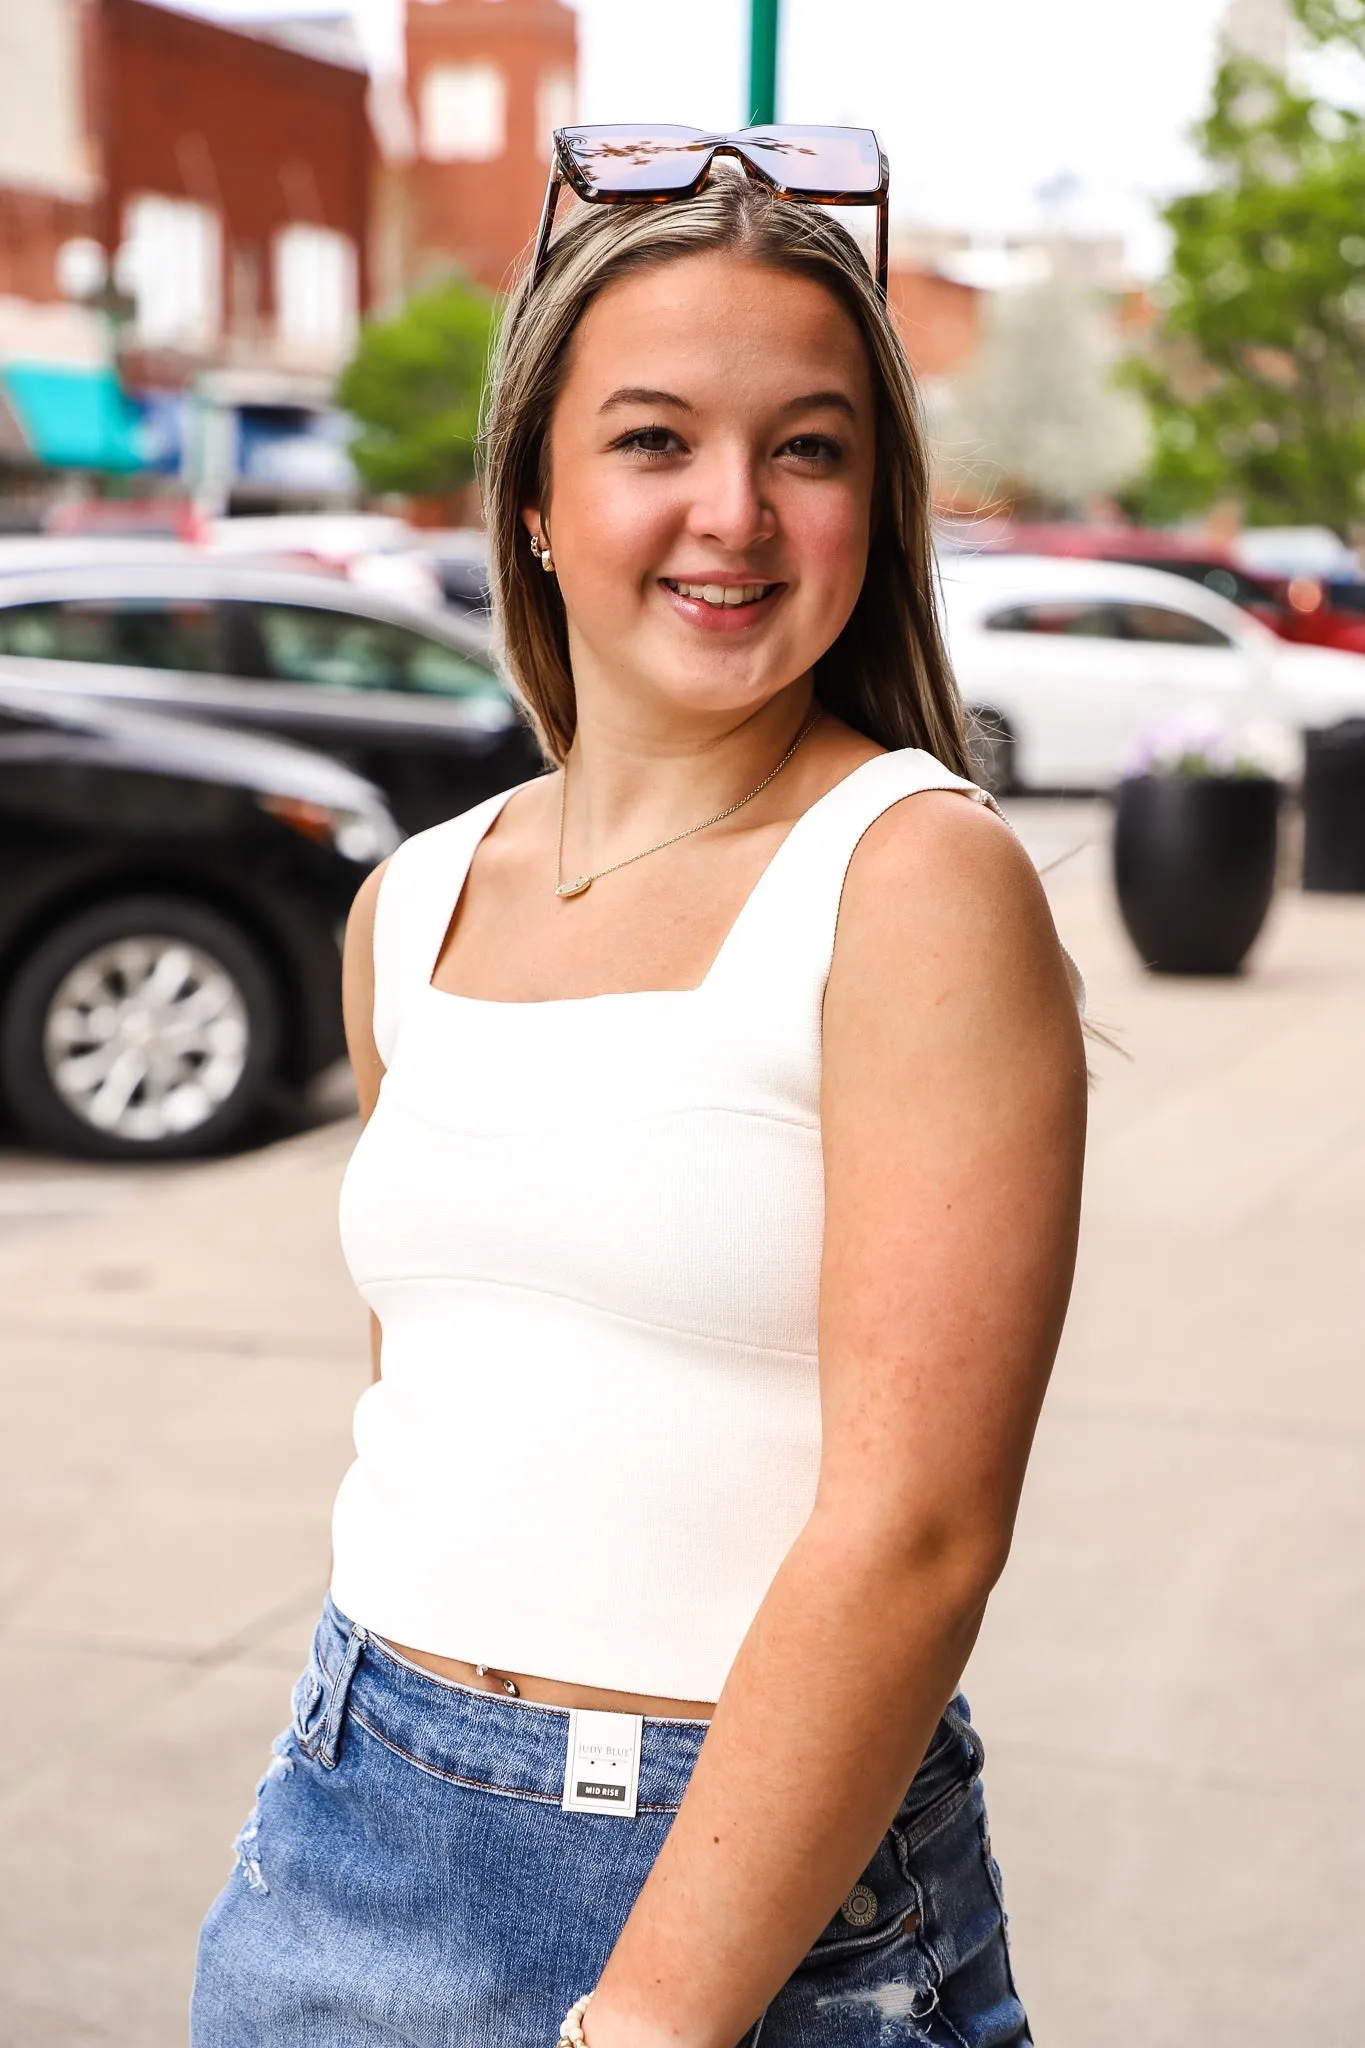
{"x":476,"y":1739}
{"x":516,"y":1748}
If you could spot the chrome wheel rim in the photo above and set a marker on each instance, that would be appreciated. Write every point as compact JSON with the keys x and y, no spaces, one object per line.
{"x":146,"y":1038}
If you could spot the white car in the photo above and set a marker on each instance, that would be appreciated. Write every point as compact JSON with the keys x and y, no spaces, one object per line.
{"x":1070,"y":665}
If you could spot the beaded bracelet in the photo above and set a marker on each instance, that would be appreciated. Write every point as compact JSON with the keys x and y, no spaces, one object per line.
{"x":571,"y":2033}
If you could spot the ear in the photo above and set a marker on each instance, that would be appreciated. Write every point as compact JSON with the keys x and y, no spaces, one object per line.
{"x":532,"y":521}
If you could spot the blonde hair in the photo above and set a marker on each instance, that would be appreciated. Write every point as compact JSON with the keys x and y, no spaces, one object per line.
{"x":887,"y":675}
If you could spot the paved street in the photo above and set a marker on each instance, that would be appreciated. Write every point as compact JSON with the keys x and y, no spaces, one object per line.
{"x":37,"y":1190}
{"x":1172,"y":1678}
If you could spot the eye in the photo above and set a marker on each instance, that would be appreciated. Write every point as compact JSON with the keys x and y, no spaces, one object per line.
{"x":650,"y":442}
{"x":815,"y":450}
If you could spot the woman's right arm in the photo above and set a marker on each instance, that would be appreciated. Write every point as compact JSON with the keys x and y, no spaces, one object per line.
{"x":357,"y":1004}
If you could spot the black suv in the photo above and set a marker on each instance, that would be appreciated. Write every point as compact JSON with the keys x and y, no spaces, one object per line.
{"x":171,"y":903}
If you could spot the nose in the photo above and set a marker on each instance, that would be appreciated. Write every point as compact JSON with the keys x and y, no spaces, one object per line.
{"x":729,"y":506}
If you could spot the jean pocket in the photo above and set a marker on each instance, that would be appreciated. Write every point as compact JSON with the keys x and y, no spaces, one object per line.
{"x":944,"y":1782}
{"x":870,"y":1972}
{"x":882,"y":1909}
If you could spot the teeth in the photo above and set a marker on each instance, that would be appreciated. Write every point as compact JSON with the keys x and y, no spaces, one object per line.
{"x":727,"y":594}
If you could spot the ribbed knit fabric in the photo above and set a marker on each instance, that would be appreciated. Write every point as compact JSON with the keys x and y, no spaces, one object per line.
{"x":591,"y":1231}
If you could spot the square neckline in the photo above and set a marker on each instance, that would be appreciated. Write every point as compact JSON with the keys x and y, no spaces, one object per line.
{"x":498,"y":805}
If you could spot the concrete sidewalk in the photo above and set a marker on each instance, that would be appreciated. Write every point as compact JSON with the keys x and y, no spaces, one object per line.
{"x":1172,"y":1678}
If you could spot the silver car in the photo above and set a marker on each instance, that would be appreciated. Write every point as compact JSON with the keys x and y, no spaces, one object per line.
{"x":407,"y":696}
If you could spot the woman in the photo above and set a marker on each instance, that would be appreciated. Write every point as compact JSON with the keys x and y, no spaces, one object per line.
{"x":717,"y":1205}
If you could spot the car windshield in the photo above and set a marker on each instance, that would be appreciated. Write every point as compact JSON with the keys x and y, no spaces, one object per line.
{"x":1161,"y":623}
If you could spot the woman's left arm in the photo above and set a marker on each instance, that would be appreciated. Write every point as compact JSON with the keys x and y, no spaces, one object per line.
{"x":953,"y":1118}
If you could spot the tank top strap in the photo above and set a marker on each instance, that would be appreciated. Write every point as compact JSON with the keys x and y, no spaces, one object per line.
{"x":417,"y":899}
{"x":787,"y":926}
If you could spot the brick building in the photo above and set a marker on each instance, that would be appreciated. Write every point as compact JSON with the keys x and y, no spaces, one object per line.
{"x":939,"y":319}
{"x":182,"y":206}
{"x":485,"y":85}
{"x":234,"y":181}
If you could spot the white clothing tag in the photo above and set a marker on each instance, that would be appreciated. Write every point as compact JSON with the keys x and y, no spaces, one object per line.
{"x":602,"y":1770}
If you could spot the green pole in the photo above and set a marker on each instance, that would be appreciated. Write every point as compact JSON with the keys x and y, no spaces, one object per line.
{"x":763,"y":62}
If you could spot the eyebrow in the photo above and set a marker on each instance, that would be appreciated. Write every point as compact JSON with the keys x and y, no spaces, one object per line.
{"x":641,"y":394}
{"x":810,"y":401}
{"x":814,"y":401}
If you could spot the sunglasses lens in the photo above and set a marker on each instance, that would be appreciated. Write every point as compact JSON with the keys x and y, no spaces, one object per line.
{"x":825,"y":160}
{"x":622,"y":160}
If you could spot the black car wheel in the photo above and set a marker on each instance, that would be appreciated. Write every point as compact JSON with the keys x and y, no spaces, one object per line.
{"x":144,"y":1028}
{"x":992,"y":749}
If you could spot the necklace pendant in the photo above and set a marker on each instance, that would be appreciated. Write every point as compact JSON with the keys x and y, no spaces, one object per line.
{"x":574,"y":888}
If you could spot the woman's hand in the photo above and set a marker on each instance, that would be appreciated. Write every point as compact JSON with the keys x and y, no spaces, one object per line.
{"x":953,"y":1116}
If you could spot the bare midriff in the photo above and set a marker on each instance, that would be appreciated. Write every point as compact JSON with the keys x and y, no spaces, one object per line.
{"x":551,"y":1692}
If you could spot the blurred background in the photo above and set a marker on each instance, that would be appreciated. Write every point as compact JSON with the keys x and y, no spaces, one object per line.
{"x":251,"y":265}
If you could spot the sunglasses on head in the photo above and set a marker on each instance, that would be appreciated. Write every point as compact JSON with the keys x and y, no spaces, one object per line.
{"x":618,"y":166}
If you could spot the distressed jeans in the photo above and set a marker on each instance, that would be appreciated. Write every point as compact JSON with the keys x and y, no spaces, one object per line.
{"x":408,"y":1876}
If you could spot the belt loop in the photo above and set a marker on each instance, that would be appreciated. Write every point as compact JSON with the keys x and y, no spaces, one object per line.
{"x":336,"y":1705}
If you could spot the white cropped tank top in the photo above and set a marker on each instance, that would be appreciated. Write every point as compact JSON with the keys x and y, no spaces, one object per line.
{"x":591,"y":1231}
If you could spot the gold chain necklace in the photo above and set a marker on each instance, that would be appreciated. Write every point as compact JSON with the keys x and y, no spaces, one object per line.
{"x":582,"y":882}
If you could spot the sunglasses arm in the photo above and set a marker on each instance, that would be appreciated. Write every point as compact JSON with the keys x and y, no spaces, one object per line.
{"x":883,"y":252}
{"x":547,"y":221}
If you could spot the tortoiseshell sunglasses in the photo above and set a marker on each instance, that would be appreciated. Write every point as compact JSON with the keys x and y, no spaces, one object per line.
{"x":617,"y":166}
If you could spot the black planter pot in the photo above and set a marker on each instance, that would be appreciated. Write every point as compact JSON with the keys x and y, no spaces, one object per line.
{"x":1194,"y":865}
{"x":1334,"y":807}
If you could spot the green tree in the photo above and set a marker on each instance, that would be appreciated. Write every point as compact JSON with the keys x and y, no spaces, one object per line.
{"x":415,"y":385}
{"x":1333,"y":22}
{"x":1257,"y":376}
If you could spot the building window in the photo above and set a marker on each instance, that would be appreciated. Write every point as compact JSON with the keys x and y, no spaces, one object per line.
{"x":464,"y":113}
{"x":172,"y":263}
{"x":315,"y":289}
{"x":556,"y":97}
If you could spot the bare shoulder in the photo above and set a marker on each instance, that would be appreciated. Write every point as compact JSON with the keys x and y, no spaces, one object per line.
{"x":943,"y":914}
{"x":357,"y":989}
{"x":938,"y":853}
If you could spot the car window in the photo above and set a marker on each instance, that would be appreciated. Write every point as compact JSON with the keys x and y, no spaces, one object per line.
{"x":441,"y":672}
{"x":1086,"y":621}
{"x":1158,"y":623}
{"x":307,"y":644}
{"x":143,"y":632}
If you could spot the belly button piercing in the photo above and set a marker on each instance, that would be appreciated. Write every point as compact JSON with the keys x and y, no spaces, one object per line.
{"x":506,"y":1684}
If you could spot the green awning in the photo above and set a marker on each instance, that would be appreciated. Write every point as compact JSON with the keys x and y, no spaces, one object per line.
{"x":73,"y":418}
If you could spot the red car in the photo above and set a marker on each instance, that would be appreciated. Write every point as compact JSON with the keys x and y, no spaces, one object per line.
{"x":1322,"y":611}
{"x":1313,"y":611}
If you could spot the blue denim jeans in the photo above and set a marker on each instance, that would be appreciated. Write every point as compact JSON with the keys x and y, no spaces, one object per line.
{"x":408,"y":1876}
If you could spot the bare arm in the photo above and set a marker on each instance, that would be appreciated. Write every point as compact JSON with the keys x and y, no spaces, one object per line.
{"x":953,"y":1122}
{"x":357,"y":1003}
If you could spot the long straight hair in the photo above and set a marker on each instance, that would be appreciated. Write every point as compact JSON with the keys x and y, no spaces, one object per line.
{"x":887,"y":675}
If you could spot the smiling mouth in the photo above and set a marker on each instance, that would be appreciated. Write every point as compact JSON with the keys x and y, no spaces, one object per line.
{"x":724,"y":596}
